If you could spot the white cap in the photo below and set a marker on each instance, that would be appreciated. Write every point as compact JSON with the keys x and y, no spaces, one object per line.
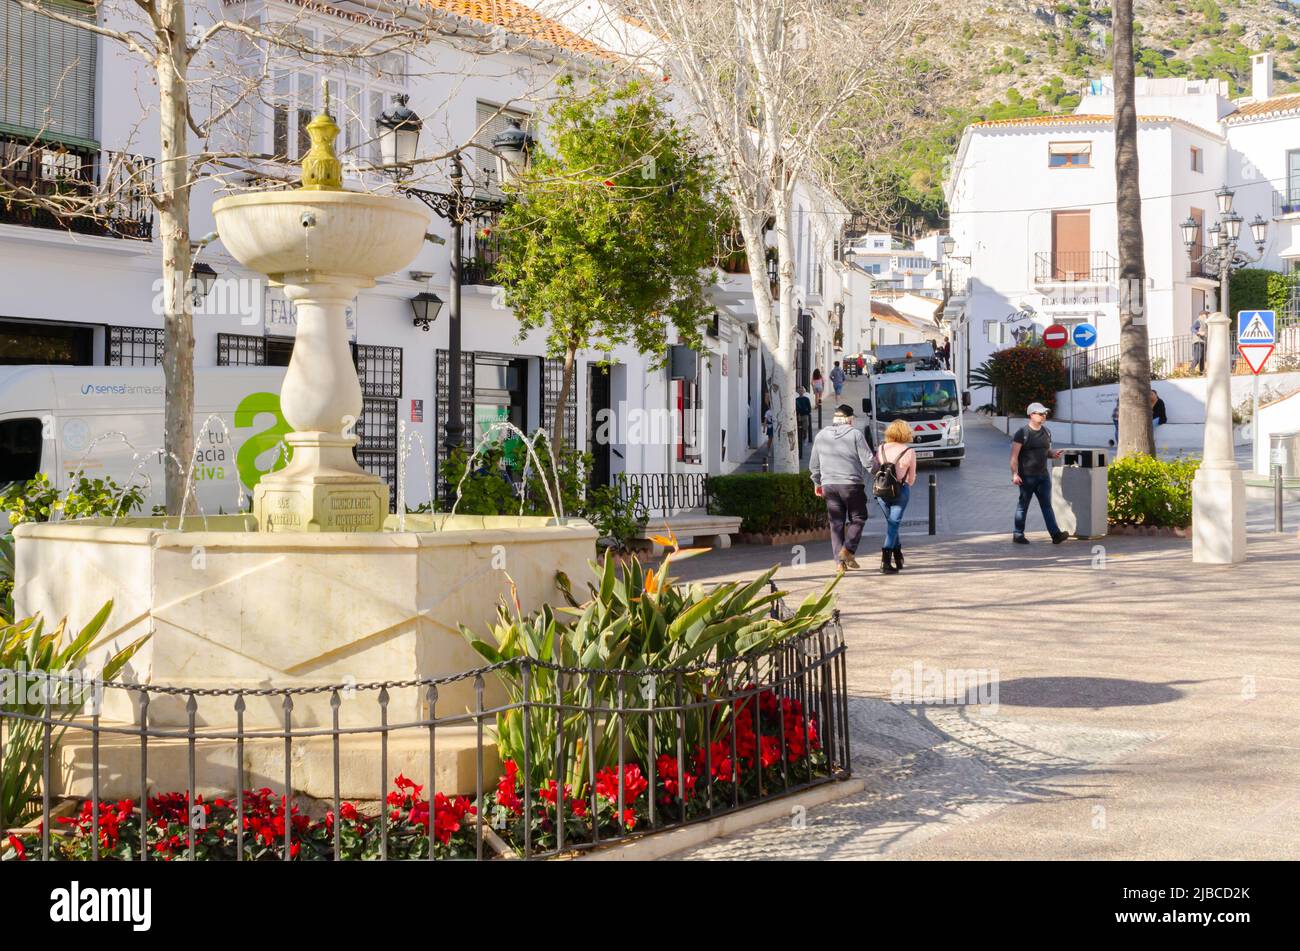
{"x":1037,"y":408}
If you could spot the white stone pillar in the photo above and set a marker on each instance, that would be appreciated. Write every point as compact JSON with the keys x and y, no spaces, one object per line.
{"x":1219,"y":489}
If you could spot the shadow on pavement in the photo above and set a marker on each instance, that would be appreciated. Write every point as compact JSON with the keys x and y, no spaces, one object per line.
{"x":1091,"y":692}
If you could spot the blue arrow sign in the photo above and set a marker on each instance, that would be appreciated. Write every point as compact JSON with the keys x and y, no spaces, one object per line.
{"x":1085,"y":335}
{"x":1256,"y":327}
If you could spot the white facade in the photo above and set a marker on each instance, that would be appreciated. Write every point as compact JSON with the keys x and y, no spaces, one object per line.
{"x":98,"y":289}
{"x":1032,"y":205}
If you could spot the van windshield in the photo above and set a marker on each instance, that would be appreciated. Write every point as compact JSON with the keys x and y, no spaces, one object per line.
{"x":916,"y":399}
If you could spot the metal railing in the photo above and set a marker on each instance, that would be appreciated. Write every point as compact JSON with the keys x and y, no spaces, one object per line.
{"x":678,"y":746}
{"x":1095,"y":267}
{"x":665,"y":493}
{"x":86,"y":191}
{"x":480,"y":250}
{"x":1169,"y":356}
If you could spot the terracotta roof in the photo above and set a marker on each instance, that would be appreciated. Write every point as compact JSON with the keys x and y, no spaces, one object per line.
{"x":514,"y":17}
{"x":1062,"y":120}
{"x":885,"y":312}
{"x":1277,"y":105}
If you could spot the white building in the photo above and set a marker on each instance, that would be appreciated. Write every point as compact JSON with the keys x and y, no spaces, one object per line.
{"x":83,"y":292}
{"x":1032,"y":204}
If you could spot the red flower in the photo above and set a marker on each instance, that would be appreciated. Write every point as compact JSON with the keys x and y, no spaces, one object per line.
{"x":17,"y":844}
{"x":348,"y":811}
{"x":629,"y":819}
{"x":609,"y":183}
{"x":666,"y":767}
{"x":634,"y":783}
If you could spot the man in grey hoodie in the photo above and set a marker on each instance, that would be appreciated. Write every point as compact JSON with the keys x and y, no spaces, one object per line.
{"x":839,"y":465}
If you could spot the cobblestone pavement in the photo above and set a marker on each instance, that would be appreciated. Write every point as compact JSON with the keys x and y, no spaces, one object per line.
{"x":1145,"y":707}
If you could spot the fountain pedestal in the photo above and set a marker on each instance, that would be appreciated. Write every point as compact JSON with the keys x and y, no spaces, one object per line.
{"x":323,"y":489}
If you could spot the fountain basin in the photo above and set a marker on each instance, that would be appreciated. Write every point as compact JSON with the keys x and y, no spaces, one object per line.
{"x":354,"y":236}
{"x":227,"y":606}
{"x":232,"y":607}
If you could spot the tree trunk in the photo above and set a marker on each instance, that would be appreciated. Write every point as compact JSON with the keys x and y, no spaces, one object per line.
{"x":566,"y":383}
{"x":1135,"y":432}
{"x":174,"y":228}
{"x":781,"y":381}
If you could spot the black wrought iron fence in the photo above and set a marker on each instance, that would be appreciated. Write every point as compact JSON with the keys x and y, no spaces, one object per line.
{"x":277,"y":774}
{"x":665,"y":493}
{"x":1095,"y":267}
{"x":1173,"y":357}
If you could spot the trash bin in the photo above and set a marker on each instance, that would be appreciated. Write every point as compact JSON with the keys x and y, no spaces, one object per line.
{"x":1284,"y":451}
{"x":1079,"y":492}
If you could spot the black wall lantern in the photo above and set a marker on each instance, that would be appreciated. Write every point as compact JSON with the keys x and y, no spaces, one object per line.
{"x":425,"y":306}
{"x":203,"y":276}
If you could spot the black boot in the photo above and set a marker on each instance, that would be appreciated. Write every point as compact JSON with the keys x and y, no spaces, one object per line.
{"x":898,"y":557}
{"x":886,"y":562}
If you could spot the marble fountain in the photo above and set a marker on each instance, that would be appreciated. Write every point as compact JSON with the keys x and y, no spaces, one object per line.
{"x":319,"y":585}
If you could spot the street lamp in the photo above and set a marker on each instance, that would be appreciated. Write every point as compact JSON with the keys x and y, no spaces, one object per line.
{"x":203,"y":276}
{"x":425,"y":306}
{"x":1222,"y":256}
{"x":949,"y":245}
{"x":399,"y":133}
{"x":1218,"y":491}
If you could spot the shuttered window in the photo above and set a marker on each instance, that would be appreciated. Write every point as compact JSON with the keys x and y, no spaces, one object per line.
{"x":47,"y":73}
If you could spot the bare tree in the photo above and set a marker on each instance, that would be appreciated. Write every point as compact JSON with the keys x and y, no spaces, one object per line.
{"x":767,"y":82}
{"x":1135,"y":430}
{"x":211,"y":73}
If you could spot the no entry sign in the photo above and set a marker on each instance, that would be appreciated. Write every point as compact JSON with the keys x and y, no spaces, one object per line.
{"x":1056,"y":336}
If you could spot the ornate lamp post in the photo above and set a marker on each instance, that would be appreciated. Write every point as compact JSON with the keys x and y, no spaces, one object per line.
{"x":1219,"y":490}
{"x":399,"y":133}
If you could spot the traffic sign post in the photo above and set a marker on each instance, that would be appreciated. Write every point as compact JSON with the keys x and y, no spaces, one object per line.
{"x":1056,"y":336}
{"x":1083,"y":336}
{"x":1256,"y":337}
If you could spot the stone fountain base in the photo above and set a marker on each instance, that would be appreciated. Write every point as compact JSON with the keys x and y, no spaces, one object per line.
{"x":232,"y":607}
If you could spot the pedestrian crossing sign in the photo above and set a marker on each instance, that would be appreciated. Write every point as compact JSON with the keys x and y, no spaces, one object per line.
{"x":1256,"y":327}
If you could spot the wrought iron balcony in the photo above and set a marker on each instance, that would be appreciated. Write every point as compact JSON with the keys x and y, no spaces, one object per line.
{"x":1065,"y":267}
{"x":82,"y":190}
{"x":479,"y":251}
{"x":1197,"y":266}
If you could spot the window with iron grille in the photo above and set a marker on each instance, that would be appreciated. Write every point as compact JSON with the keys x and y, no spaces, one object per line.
{"x":442,"y":396}
{"x":380,"y":370}
{"x":552,"y":381}
{"x":384,"y":465}
{"x":377,"y":427}
{"x":133,"y":347}
{"x":240,"y":350}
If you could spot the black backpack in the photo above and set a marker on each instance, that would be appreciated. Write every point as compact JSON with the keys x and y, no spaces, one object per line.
{"x":886,"y":484}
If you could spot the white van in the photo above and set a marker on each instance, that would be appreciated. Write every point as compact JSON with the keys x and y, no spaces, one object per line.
{"x":51,"y":416}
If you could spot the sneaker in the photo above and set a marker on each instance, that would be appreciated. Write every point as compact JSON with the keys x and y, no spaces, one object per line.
{"x":1020,"y":539}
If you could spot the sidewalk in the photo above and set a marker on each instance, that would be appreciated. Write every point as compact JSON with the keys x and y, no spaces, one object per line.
{"x":1146,"y":707}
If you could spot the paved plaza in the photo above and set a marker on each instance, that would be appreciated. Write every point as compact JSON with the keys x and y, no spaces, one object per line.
{"x":1145,"y":707}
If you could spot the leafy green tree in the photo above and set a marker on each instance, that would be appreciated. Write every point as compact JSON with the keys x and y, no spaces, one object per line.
{"x":611,"y":235}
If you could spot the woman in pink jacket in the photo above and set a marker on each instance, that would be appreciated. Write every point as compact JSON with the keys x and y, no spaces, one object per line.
{"x":895,"y":475}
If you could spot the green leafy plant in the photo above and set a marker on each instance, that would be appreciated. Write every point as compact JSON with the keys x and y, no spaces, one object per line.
{"x":1144,"y":490}
{"x":619,"y":517}
{"x":6,"y":577}
{"x":1022,"y":375}
{"x":610,"y":235}
{"x":639,"y":621}
{"x":38,"y":499}
{"x":27,"y":653}
{"x":768,"y":502}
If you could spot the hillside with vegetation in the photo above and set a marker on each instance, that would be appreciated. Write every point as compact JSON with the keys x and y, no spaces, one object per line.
{"x":1013,"y":58}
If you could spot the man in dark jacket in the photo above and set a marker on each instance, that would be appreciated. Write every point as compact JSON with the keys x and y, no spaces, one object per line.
{"x":803,"y":413}
{"x":839,"y":464}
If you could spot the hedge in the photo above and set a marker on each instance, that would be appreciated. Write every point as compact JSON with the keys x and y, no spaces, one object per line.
{"x":1143,"y":490}
{"x":768,"y":502}
{"x":1021,"y":375}
{"x":1259,"y":289}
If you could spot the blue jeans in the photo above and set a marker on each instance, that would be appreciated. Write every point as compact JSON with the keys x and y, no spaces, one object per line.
{"x":893,"y":512}
{"x":1040,"y":486}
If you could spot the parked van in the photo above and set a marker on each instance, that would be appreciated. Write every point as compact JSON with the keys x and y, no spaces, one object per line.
{"x":908,"y":382}
{"x":52,"y":416}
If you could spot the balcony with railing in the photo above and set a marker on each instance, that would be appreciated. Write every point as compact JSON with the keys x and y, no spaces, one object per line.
{"x":480,"y":249}
{"x":71,"y":188}
{"x":1286,"y":203}
{"x":1069,"y":267}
